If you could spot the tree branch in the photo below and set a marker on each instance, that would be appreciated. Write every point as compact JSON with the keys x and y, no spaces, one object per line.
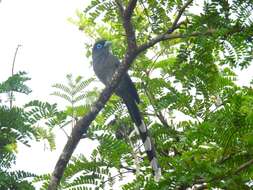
{"x":130,"y":9}
{"x":243,"y":166}
{"x":126,"y":15}
{"x":166,"y":36}
{"x":146,"y":13}
{"x":113,"y":177}
{"x":169,"y":35}
{"x":127,"y":168}
{"x":180,"y":12}
{"x":82,"y":125}
{"x":158,"y":113}
{"x":12,"y":71}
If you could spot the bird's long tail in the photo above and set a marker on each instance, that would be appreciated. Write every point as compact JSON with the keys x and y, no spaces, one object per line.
{"x":144,"y":134}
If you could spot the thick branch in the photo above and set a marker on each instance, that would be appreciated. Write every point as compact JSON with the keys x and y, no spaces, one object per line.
{"x":126,"y":15}
{"x":130,"y":9}
{"x":82,"y":125}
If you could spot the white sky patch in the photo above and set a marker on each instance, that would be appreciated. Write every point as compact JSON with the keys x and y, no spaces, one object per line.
{"x":51,"y":48}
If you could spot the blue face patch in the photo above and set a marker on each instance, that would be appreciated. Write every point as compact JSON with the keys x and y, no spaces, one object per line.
{"x":99,"y":46}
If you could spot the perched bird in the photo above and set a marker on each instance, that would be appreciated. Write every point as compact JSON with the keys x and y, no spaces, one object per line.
{"x":104,"y":65}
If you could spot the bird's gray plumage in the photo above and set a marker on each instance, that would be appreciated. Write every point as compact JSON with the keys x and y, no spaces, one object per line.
{"x":104,"y":65}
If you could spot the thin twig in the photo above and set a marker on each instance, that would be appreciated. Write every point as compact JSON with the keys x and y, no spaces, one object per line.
{"x":65,"y":132}
{"x":14,"y":59}
{"x":166,"y":36}
{"x":135,"y":156}
{"x":111,"y":178}
{"x":180,"y":12}
{"x":127,"y":168}
{"x":12,"y":72}
{"x":156,"y":57}
{"x":228,"y":174}
{"x":146,"y":13}
{"x":243,"y":166}
{"x":157,"y":112}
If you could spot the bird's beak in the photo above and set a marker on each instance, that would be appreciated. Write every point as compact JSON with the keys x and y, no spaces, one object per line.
{"x":108,"y":44}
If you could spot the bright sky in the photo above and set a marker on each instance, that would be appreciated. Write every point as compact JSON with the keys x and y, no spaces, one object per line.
{"x":51,"y":48}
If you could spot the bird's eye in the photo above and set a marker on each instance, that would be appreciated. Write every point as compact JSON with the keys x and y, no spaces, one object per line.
{"x":99,"y":46}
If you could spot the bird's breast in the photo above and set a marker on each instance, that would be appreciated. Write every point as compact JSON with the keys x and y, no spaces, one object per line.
{"x":104,"y":69}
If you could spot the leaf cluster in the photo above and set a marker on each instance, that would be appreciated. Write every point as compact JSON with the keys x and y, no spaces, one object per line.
{"x":199,"y":118}
{"x":14,"y":128}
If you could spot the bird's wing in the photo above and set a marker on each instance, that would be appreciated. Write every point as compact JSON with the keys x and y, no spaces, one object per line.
{"x":126,"y":85}
{"x":131,"y":87}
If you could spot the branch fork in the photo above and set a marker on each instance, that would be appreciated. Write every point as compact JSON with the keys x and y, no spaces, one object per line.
{"x":132,"y":52}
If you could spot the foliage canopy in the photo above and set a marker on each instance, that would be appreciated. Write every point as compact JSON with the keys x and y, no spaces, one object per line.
{"x":199,"y":118}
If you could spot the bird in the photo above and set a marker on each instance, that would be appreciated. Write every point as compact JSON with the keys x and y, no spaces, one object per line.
{"x":104,"y":66}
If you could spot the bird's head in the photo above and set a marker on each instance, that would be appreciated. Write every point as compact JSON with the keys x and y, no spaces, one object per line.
{"x":101,"y":46}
